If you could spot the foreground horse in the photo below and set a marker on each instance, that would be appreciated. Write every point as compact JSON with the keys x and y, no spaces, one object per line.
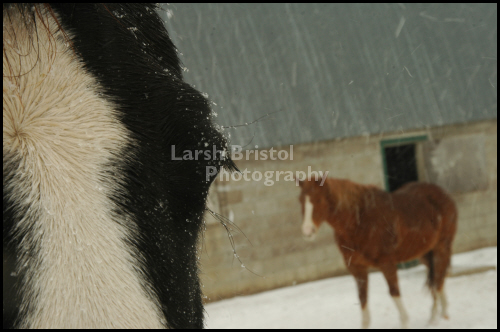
{"x":101,"y":219}
{"x":374,"y":228}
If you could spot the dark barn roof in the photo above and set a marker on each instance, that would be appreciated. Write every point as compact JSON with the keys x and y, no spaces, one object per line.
{"x":337,"y":70}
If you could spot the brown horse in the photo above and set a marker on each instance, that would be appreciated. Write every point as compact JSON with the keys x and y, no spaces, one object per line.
{"x":374,"y":228}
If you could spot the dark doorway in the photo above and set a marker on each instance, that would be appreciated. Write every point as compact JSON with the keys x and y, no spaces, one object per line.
{"x":401,"y":165}
{"x":401,"y":168}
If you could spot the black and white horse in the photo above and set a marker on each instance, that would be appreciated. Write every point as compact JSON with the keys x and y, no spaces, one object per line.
{"x":101,"y":221}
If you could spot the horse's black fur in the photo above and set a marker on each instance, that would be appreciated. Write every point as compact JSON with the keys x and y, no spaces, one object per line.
{"x":127,"y":49}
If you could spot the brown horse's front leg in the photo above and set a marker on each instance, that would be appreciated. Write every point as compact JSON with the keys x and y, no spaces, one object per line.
{"x":391,"y":275}
{"x":360,"y":274}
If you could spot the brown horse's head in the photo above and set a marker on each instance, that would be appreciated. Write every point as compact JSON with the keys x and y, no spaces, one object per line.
{"x":315,"y":205}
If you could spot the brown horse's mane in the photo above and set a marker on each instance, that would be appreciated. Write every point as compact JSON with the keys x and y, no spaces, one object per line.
{"x":350,"y":195}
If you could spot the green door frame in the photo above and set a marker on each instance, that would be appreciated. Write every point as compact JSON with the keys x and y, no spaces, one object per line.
{"x":396,"y":142}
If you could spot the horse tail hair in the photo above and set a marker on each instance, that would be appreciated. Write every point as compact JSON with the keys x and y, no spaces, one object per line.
{"x":431,"y":279}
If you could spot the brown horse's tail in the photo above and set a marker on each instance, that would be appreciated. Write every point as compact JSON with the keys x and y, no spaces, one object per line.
{"x":431,"y":276}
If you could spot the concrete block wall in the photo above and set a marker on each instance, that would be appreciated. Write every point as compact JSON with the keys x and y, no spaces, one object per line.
{"x":477,"y":223}
{"x":272,"y":252}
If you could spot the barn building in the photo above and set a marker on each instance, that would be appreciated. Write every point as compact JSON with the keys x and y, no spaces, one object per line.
{"x":378,"y":94}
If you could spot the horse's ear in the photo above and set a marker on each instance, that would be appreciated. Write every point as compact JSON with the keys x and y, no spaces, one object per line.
{"x":321,"y":181}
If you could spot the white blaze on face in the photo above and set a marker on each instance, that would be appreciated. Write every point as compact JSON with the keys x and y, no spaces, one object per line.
{"x":308,"y":227}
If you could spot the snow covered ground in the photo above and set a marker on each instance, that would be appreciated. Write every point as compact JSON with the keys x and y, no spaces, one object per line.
{"x":333,"y":303}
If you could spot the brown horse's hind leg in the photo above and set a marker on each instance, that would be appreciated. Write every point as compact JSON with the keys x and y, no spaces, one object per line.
{"x":438,"y":261}
{"x":429,"y":260}
{"x":360,"y":274}
{"x":444,"y":303}
{"x":441,"y":262}
{"x":391,"y":275}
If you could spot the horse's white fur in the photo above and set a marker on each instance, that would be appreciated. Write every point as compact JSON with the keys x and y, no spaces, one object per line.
{"x":365,"y":314}
{"x":403,"y":315}
{"x":308,"y":227}
{"x":441,"y":297}
{"x":365,"y":317}
{"x":444,"y":303}
{"x":65,"y":135}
